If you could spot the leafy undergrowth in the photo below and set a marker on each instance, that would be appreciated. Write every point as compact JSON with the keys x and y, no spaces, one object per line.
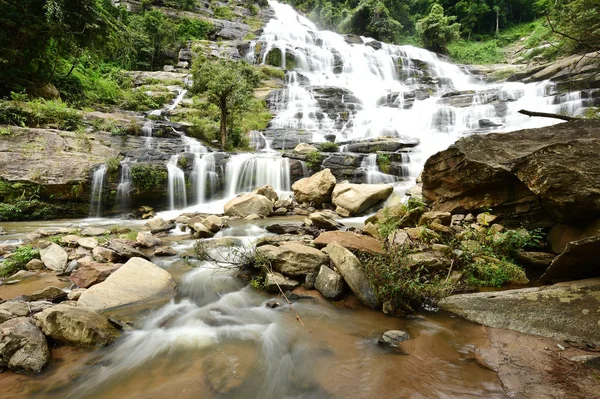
{"x":18,"y":260}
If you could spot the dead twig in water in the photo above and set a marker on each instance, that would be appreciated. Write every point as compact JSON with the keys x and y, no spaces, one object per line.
{"x":548,"y":115}
{"x":270,"y":270}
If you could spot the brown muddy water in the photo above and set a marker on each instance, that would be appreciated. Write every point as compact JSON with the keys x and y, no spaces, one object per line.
{"x":219,"y":340}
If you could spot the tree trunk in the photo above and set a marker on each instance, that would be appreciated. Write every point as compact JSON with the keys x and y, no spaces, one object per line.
{"x":497,"y":21}
{"x":223,"y":106}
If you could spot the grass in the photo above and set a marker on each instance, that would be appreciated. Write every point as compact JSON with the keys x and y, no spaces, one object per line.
{"x":40,"y":113}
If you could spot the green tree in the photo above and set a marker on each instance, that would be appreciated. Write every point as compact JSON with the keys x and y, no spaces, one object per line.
{"x":577,"y":21}
{"x":470,"y":13}
{"x":228,"y":85}
{"x":438,"y":30}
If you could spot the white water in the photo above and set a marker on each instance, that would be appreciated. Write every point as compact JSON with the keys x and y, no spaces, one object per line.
{"x":97,"y":188}
{"x":245,"y":172}
{"x":124,"y":187}
{"x":176,"y":187}
{"x":374,"y":175}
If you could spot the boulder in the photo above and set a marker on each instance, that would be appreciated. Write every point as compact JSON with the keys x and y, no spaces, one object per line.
{"x":103,"y":254}
{"x":76,"y":326}
{"x":23,"y":347}
{"x":393,"y":338}
{"x":70,"y":239}
{"x":392,"y":213}
{"x":398,"y":238}
{"x":54,"y":257}
{"x":351,"y":269}
{"x":249,"y":204}
{"x":87,"y":242}
{"x":200,"y":230}
{"x":159,"y":225}
{"x":35,"y":264}
{"x":274,"y":281}
{"x":125,"y":251}
{"x":350,"y":240}
{"x":329,"y":283}
{"x":92,"y":274}
{"x":357,"y":198}
{"x":165,"y":251}
{"x":215,"y":223}
{"x":579,"y":260}
{"x":565,"y":311}
{"x":432,"y":261}
{"x":94,"y":231}
{"x":48,"y":293}
{"x":323,"y":221}
{"x":537,"y":176}
{"x":135,"y":283}
{"x":267,"y":191}
{"x":304,"y":149}
{"x":294,"y":259}
{"x":429,"y":217}
{"x":315,"y":190}
{"x":147,"y":240}
{"x":535,"y":260}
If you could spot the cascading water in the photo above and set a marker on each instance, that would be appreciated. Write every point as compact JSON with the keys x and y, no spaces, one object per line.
{"x":124,"y":187}
{"x":147,"y":129}
{"x":246,"y":172}
{"x":97,"y":188}
{"x":176,"y":187}
{"x":374,"y":175}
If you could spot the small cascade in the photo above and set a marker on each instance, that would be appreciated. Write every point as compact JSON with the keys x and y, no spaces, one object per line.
{"x":124,"y":187}
{"x":245,"y":172}
{"x":178,"y":100}
{"x":147,"y":131}
{"x":97,"y":188}
{"x":177,"y":190}
{"x":305,"y":171}
{"x":374,"y":175}
{"x":205,"y":177}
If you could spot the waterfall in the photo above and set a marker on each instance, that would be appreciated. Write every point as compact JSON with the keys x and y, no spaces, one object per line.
{"x":124,"y":187}
{"x":245,"y":172}
{"x":147,"y":130}
{"x":97,"y":187}
{"x":177,"y":191}
{"x":374,"y":175}
{"x":205,"y":177}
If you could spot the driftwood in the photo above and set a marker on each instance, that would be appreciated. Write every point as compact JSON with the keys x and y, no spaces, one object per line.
{"x":547,"y":115}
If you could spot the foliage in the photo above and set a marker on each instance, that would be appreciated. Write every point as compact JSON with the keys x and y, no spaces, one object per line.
{"x":329,"y":147}
{"x":148,"y":177}
{"x":438,"y":30}
{"x":384,"y":163}
{"x":40,"y":113}
{"x":488,"y":272}
{"x":224,"y":12}
{"x":577,"y":22}
{"x":259,"y":283}
{"x":314,"y":159}
{"x":18,"y":260}
{"x":479,"y":53}
{"x":6,"y":132}
{"x":112,"y":166}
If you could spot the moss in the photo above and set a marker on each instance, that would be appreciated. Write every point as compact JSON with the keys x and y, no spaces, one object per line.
{"x":329,"y":147}
{"x":147,"y":177}
{"x":274,"y":58}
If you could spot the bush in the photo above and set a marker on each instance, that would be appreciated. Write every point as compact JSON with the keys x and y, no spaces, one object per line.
{"x":491,"y":272}
{"x":148,"y":177}
{"x":224,"y":12}
{"x":329,"y":147}
{"x":314,"y":160}
{"x":40,"y":113}
{"x":18,"y":260}
{"x":478,"y":53}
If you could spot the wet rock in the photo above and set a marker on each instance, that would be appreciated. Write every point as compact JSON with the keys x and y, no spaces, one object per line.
{"x":429,"y":217}
{"x":304,"y":148}
{"x":411,"y":218}
{"x":267,"y":191}
{"x":357,"y":198}
{"x":309,"y":281}
{"x":393,"y":338}
{"x":35,"y":264}
{"x":294,"y":259}
{"x":75,"y":294}
{"x":88,"y":242}
{"x":274,"y":281}
{"x":215,"y":223}
{"x":535,"y":260}
{"x":159,"y":225}
{"x":23,"y":347}
{"x":125,"y":251}
{"x":76,"y":326}
{"x":398,"y":238}
{"x":201,"y":231}
{"x":94,"y":231}
{"x":147,"y":240}
{"x":350,"y":240}
{"x":54,"y":257}
{"x":315,"y":190}
{"x":579,"y":260}
{"x":136,"y":282}
{"x":48,"y":293}
{"x":283,"y":238}
{"x":104,"y":255}
{"x":230,"y":367}
{"x":324,"y":221}
{"x":392,"y":213}
{"x":92,"y":274}
{"x":329,"y":283}
{"x":350,"y":268}
{"x":249,"y":204}
{"x":565,"y":311}
{"x":588,"y":360}
{"x":165,"y":251}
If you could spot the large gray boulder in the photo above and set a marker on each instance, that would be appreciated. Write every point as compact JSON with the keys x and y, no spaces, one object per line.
{"x":351,"y":269}
{"x":579,"y":260}
{"x":329,"y":283}
{"x":535,"y":176}
{"x":54,"y":257}
{"x":249,"y":204}
{"x":315,"y":190}
{"x":294,"y":259}
{"x":76,"y":326}
{"x":23,"y":347}
{"x":565,"y":311}
{"x":137,"y":282}
{"x":357,"y":198}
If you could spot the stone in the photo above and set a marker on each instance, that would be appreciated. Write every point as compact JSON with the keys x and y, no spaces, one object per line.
{"x":54,"y":257}
{"x":229,"y":367}
{"x":411,"y":218}
{"x":309,"y":281}
{"x":392,"y":213}
{"x":535,"y":260}
{"x":92,"y":274}
{"x":304,"y":149}
{"x":432,"y":261}
{"x":23,"y":347}
{"x":70,"y":239}
{"x":588,"y":360}
{"x":103,"y":254}
{"x":147,"y":240}
{"x":398,"y":238}
{"x":201,"y":231}
{"x":323,"y":221}
{"x":274,"y":281}
{"x":486,"y":219}
{"x":48,"y":293}
{"x":315,"y":190}
{"x":294,"y":259}
{"x":76,"y":326}
{"x":137,"y":282}
{"x":393,"y":338}
{"x":536,"y":176}
{"x":215,"y":223}
{"x":350,"y":240}
{"x":267,"y":191}
{"x":249,"y":204}
{"x":280,"y":212}
{"x":125,"y":251}
{"x":357,"y":198}
{"x":88,"y":242}
{"x":580,"y":260}
{"x":159,"y":225}
{"x":75,"y":294}
{"x":444,"y":218}
{"x":371,"y":229}
{"x":329,"y":283}
{"x":351,"y":270}
{"x":165,"y":251}
{"x":35,"y":264}
{"x":565,"y":311}
{"x":252,"y":217}
{"x":15,"y":308}
{"x":94,"y":231}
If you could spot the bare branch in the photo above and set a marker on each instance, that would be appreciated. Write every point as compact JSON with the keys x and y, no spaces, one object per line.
{"x":548,"y":115}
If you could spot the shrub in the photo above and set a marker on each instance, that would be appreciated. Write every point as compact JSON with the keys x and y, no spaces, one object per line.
{"x":18,"y":260}
{"x":314,"y":160}
{"x":148,"y":177}
{"x":329,"y":147}
{"x":490,"y":272}
{"x":224,"y":12}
